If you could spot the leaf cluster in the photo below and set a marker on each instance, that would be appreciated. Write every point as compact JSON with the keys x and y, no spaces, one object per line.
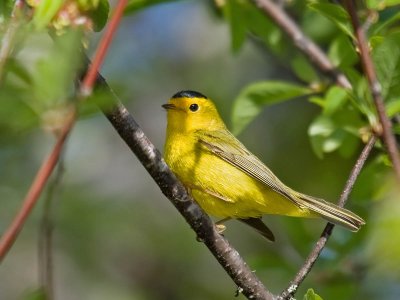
{"x":347,"y":116}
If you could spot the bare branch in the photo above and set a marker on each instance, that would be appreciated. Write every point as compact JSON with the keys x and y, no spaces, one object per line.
{"x":173,"y":189}
{"x":301,"y":41}
{"x":326,"y":233}
{"x":375,"y":87}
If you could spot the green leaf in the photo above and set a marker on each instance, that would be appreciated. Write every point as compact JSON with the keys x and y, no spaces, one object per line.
{"x":99,"y":15}
{"x":381,"y":26}
{"x":334,"y":99}
{"x":16,"y":116}
{"x":45,"y":12}
{"x":88,"y":4}
{"x":6,"y":8}
{"x":134,"y":5}
{"x":336,"y":13}
{"x":55,"y":74}
{"x":317,"y":100}
{"x":349,"y":145}
{"x":263,"y":27}
{"x":342,"y":53}
{"x":255,"y":97}
{"x":334,"y":141}
{"x":311,"y":295}
{"x":38,"y":294}
{"x":381,"y":4}
{"x":245,"y":18}
{"x":386,"y":57}
{"x":393,"y":107}
{"x":233,"y":12}
{"x":19,"y":70}
{"x":319,"y":131}
{"x":303,"y":69}
{"x":338,"y":131}
{"x":322,"y":126}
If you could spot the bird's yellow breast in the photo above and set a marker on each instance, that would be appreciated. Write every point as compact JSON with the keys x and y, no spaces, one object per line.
{"x":220,"y":188}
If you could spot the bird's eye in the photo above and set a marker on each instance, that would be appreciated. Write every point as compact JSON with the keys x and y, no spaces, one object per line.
{"x":194,"y":107}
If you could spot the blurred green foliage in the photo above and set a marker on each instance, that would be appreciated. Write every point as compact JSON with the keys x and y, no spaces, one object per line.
{"x":311,"y":295}
{"x":346,"y":114}
{"x":115,"y":236}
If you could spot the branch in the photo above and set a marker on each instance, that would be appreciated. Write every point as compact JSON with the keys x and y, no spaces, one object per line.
{"x":172,"y":188}
{"x":47,"y":167}
{"x":375,"y":87}
{"x":326,"y":233}
{"x":301,"y":41}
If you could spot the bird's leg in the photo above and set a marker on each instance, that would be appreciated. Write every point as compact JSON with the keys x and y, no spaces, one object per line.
{"x":221,"y":227}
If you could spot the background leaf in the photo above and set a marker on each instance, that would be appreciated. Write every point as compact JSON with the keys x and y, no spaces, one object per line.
{"x":311,"y":295}
{"x":335,"y":98}
{"x":256,"y":96}
{"x":60,"y":68}
{"x":303,"y":69}
{"x":381,"y":4}
{"x":386,"y":57}
{"x":99,"y":15}
{"x":45,"y":11}
{"x":134,"y":5}
{"x":342,"y":53}
{"x":336,"y":14}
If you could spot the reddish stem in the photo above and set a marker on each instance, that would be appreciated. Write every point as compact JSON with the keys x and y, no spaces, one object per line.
{"x":91,"y":75}
{"x":375,"y":88}
{"x":35,"y":190}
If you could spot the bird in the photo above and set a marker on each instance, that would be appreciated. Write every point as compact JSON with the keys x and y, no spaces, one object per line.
{"x":225,"y":178}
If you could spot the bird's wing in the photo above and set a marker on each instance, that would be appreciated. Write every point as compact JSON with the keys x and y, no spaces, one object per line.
{"x":226,"y":146}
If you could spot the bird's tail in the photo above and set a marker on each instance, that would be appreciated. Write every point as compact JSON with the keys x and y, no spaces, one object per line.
{"x":332,"y":212}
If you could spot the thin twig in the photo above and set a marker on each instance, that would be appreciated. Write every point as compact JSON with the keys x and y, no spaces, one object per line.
{"x":45,"y":245}
{"x":375,"y":87}
{"x":301,"y":41}
{"x":326,"y":233}
{"x":47,"y":167}
{"x":152,"y":160}
{"x":7,"y":42}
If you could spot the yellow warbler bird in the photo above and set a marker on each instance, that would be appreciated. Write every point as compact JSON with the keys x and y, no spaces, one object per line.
{"x":225,"y":178}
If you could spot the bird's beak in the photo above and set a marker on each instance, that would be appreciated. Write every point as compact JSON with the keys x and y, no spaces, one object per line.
{"x":168,"y":106}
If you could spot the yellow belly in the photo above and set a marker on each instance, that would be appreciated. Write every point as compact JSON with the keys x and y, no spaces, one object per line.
{"x":223,"y":190}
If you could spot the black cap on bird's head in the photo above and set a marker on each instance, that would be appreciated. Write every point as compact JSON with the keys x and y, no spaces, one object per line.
{"x":188,"y":94}
{"x":177,"y":102}
{"x":190,"y":110}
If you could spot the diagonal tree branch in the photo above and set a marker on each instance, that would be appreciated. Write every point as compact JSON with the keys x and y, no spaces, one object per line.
{"x":151,"y":158}
{"x":375,"y":87}
{"x":326,"y":233}
{"x":301,"y":41}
